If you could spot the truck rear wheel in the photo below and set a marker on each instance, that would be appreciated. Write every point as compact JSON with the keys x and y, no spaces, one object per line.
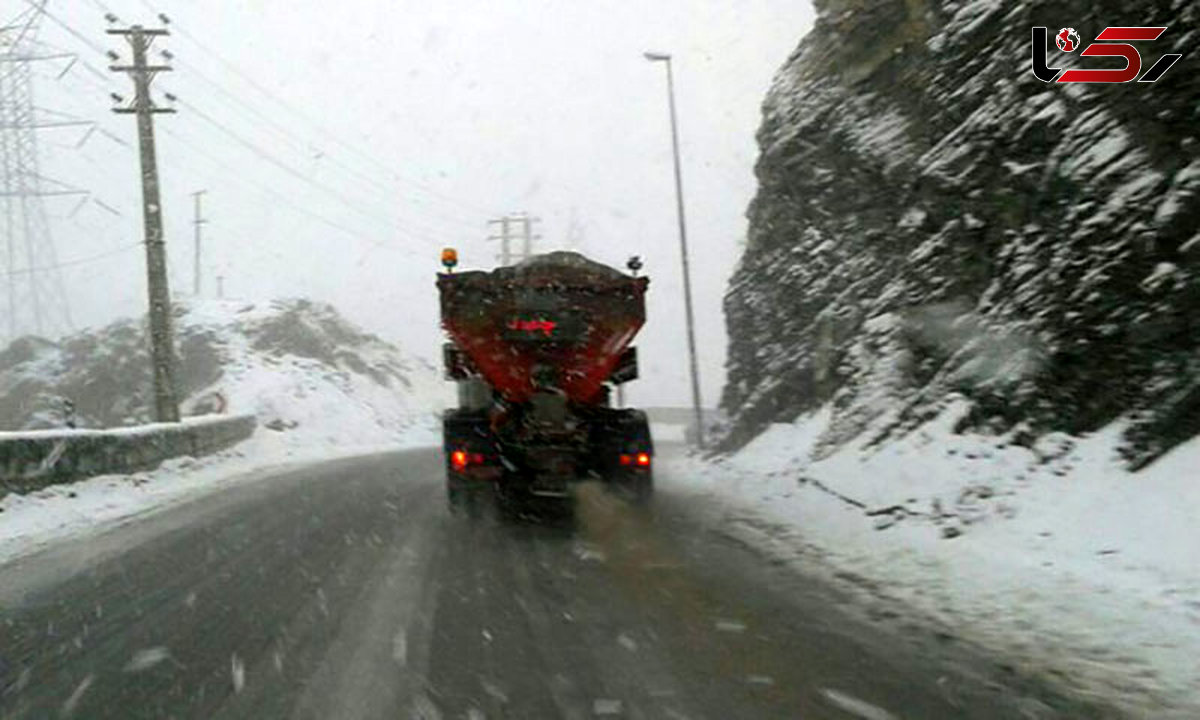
{"x":463,"y":498}
{"x":456,"y":498}
{"x":643,"y":488}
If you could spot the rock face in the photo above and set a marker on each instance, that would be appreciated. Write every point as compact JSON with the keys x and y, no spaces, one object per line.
{"x":105,"y":374}
{"x":932,"y":219}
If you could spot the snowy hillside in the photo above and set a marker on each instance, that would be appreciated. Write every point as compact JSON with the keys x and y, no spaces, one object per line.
{"x":309,"y":375}
{"x":932,"y":219}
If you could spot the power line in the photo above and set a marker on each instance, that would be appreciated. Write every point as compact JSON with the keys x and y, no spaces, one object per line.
{"x":263,"y":190}
{"x":65,"y":26}
{"x":248,"y":143}
{"x":303,"y":145}
{"x":98,"y":81}
{"x":25,"y":21}
{"x":73,"y":263}
{"x":78,"y":60}
{"x":368,"y":158}
{"x":75,"y":58}
{"x":286,"y":135}
{"x":233,"y":174}
{"x":263,"y":154}
{"x":197,"y":150}
{"x":267,"y":156}
{"x":268,"y":191}
{"x":102,"y":7}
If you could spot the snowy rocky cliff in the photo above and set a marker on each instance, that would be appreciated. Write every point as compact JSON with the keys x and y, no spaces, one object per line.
{"x":298,"y":365}
{"x":933,"y":221}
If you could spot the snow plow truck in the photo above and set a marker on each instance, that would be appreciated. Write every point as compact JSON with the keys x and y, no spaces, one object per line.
{"x":537,"y":349}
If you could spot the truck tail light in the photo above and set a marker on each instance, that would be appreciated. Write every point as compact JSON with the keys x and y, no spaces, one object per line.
{"x":459,"y":459}
{"x":477,"y":458}
{"x":626,"y":459}
{"x":643,"y":459}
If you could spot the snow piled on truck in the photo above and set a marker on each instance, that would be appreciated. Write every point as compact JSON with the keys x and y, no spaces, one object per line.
{"x":1049,"y":552}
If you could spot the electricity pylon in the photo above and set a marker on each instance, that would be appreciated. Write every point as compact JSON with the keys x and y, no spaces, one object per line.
{"x":33,"y":298}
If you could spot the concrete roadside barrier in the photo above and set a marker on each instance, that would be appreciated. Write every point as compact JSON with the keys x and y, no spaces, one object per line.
{"x":34,"y":459}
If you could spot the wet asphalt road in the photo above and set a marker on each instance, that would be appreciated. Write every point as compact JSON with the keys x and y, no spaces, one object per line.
{"x":346,"y":590}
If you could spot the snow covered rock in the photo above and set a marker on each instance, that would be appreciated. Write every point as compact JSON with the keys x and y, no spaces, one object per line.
{"x":297,"y":365}
{"x":932,"y":219}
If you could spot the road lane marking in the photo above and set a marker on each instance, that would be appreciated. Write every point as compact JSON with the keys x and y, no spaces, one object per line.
{"x":856,"y":707}
{"x":733,"y":626}
{"x":606,"y":706}
{"x":146,"y":659}
{"x":238,"y":670}
{"x":400,"y":647}
{"x":627,"y":642}
{"x":72,"y":702}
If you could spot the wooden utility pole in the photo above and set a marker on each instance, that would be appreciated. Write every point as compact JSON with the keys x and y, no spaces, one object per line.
{"x":162,"y":346}
{"x":197,"y":223}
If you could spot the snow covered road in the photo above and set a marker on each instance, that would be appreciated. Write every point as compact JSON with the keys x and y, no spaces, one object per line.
{"x":344,"y":589}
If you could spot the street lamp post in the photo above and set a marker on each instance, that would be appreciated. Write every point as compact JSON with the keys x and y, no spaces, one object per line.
{"x":683,"y":249}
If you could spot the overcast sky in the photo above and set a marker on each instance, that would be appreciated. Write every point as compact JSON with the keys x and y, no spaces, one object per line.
{"x":343,"y":144}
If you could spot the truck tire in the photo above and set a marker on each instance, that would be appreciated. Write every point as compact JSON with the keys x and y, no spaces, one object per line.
{"x":643,"y":489}
{"x":462,"y":499}
{"x":456,"y":498}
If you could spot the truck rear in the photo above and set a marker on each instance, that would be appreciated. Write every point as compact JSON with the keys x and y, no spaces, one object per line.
{"x":537,"y":349}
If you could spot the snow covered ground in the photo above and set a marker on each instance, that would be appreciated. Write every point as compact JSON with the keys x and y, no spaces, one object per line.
{"x":1054,"y":556}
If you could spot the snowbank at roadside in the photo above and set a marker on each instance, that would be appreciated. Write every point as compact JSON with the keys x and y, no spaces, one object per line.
{"x":32,"y":521}
{"x":1055,"y":556}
